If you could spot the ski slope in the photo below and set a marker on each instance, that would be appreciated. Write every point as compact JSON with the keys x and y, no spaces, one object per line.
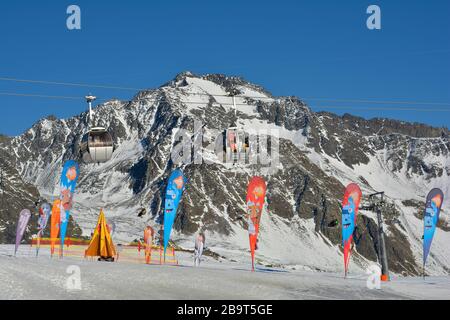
{"x":28,"y":277}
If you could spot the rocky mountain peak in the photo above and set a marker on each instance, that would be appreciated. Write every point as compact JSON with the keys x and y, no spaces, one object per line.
{"x":320,"y":153}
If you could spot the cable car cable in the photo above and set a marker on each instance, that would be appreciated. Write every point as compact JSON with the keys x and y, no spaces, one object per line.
{"x":320,"y":107}
{"x":70,"y":84}
{"x":374,"y":101}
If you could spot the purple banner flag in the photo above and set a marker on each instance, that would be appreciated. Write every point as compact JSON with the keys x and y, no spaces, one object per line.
{"x":24,"y":217}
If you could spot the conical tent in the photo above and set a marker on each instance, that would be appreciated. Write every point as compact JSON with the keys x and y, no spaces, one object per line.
{"x":101,"y":244}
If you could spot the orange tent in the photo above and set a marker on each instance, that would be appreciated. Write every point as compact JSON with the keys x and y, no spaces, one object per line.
{"x":101,"y":244}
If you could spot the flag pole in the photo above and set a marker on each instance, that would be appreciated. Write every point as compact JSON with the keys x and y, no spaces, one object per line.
{"x":423,"y":271}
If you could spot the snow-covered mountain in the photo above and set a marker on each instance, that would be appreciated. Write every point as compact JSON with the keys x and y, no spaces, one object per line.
{"x":320,"y":153}
{"x":15,"y":195}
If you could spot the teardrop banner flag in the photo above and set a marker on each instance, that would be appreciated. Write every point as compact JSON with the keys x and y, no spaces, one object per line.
{"x":22,"y":223}
{"x":256,"y":194}
{"x":69,"y":178}
{"x":431,"y":217}
{"x":350,"y":207}
{"x":54,"y":224}
{"x":148,"y":242}
{"x":174,"y":191}
{"x":44,"y":215}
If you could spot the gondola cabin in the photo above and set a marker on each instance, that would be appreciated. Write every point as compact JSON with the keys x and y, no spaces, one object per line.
{"x":97,"y":146}
{"x":236,"y":144}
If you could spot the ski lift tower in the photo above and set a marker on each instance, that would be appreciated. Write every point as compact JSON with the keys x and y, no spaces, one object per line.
{"x":233,"y":93}
{"x":2,"y":190}
{"x":376,"y":203}
{"x":1,"y":180}
{"x":89,"y":99}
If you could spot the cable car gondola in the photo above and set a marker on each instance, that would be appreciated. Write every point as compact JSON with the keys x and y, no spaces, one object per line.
{"x":236,"y":140}
{"x":97,"y":144}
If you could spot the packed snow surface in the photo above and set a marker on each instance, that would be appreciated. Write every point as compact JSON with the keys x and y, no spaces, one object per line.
{"x":28,"y":277}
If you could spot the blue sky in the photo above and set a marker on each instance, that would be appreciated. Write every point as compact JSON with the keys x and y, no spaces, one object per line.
{"x":310,"y":49}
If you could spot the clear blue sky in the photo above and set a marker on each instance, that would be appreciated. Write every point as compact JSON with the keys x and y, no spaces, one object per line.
{"x":312,"y":49}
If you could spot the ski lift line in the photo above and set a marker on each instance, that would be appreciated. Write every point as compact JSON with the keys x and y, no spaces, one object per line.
{"x":378,"y":101}
{"x":15,"y":94}
{"x":390,"y":101}
{"x":38,"y":96}
{"x":243,"y":104}
{"x":231,"y":104}
{"x":70,"y":84}
{"x":334,"y":100}
{"x":313,"y":107}
{"x":380,"y":109}
{"x":332,"y":107}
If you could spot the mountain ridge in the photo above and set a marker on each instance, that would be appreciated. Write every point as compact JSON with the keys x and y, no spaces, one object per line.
{"x":319,"y":153}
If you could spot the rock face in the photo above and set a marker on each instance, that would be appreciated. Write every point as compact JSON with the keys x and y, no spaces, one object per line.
{"x":319,"y":153}
{"x":15,"y":195}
